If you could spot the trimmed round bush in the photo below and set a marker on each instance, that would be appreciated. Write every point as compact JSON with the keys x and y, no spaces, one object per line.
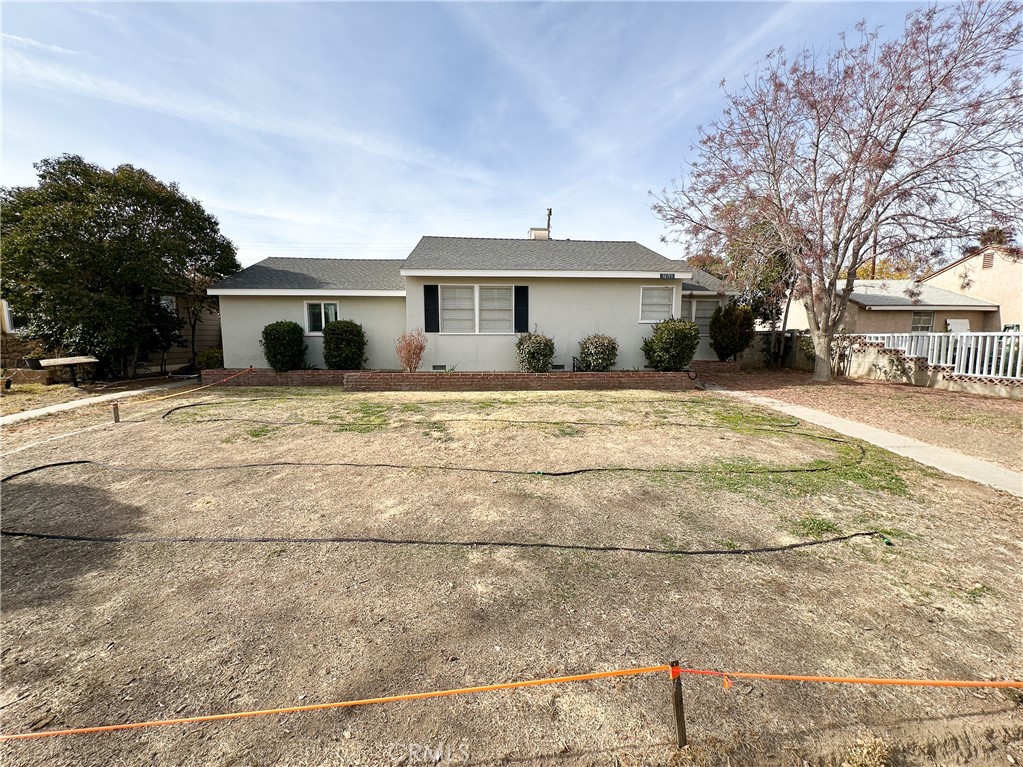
{"x":731,"y":330}
{"x":534,"y":352}
{"x":672,"y":345}
{"x":284,"y":346}
{"x":344,"y":345}
{"x":598,"y":353}
{"x":211,"y":359}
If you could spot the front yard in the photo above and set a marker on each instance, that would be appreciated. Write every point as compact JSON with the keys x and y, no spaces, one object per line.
{"x":97,"y":633}
{"x":30,"y":396}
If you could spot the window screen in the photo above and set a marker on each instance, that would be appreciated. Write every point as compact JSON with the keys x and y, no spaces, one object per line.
{"x":704,"y":311}
{"x":457,"y":309}
{"x":655,"y":304}
{"x":496,"y":314}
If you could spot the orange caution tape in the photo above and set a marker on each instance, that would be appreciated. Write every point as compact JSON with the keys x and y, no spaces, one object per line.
{"x":728,"y":675}
{"x":674,"y":672}
{"x":342,"y":704}
{"x":190,"y":391}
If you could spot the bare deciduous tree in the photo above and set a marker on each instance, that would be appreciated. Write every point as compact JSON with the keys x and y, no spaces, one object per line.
{"x":876,"y":149}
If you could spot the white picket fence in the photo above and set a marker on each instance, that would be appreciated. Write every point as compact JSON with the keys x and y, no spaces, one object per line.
{"x":987,"y":355}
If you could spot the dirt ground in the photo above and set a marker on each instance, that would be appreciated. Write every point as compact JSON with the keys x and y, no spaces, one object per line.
{"x":100,"y":633}
{"x":989,"y":428}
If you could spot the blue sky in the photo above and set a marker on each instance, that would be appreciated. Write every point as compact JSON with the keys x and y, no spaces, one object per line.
{"x":351,"y":129}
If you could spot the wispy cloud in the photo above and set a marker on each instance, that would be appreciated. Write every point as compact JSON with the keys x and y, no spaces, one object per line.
{"x":28,"y":42}
{"x":41,"y":74}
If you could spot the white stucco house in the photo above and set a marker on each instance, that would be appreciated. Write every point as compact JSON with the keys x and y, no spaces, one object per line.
{"x":472,"y":296}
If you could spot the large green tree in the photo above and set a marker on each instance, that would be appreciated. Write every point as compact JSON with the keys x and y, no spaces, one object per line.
{"x":89,"y":252}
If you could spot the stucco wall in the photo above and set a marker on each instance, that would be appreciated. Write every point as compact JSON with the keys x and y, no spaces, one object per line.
{"x":1002,"y":284}
{"x":879,"y":321}
{"x":860,"y":320}
{"x":242,"y":319}
{"x":566,"y":309}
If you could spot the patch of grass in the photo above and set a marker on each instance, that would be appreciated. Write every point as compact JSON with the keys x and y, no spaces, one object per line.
{"x":409,"y":407}
{"x":438,"y":430}
{"x":728,"y":545}
{"x":262,"y":430}
{"x":814,"y":527}
{"x":567,"y":430}
{"x":876,"y":471}
{"x":357,"y":427}
{"x":978,"y":592}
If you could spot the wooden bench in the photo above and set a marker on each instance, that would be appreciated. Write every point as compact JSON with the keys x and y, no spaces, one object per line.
{"x":71,"y":363}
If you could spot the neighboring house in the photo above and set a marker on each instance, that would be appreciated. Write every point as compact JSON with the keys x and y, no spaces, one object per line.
{"x":472,"y":297}
{"x":989,"y":274}
{"x":883,"y":306}
{"x":207,"y":336}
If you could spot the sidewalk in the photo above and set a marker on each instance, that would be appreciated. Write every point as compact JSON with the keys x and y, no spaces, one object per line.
{"x":26,"y":415}
{"x":947,"y":461}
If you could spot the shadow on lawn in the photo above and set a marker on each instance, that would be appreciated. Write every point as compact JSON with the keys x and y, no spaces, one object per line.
{"x":39,"y":572}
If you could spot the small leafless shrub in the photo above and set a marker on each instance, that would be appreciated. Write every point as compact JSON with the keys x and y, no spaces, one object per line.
{"x":410,"y":347}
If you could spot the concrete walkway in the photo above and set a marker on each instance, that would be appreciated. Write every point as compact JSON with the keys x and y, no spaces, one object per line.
{"x":947,"y":461}
{"x":26,"y":415}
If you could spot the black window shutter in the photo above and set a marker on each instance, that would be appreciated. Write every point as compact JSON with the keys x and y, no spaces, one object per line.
{"x":521,"y":308}
{"x":431,"y":303}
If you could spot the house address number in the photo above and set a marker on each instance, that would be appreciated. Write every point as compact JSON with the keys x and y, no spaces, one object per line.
{"x":667,"y":276}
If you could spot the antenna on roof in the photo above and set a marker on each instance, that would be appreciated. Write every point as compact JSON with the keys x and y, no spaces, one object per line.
{"x":549,"y":211}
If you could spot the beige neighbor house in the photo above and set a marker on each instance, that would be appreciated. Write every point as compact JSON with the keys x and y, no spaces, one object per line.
{"x":989,"y":274}
{"x":902,"y":306}
{"x":472,"y":297}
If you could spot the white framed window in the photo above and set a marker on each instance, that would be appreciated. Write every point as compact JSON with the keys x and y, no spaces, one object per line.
{"x":318,"y":314}
{"x":496,"y":306}
{"x":482,"y":309}
{"x":656,"y":302}
{"x":923,"y":322}
{"x":457,"y":308}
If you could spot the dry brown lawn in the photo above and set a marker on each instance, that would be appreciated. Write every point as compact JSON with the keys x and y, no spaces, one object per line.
{"x":30,"y":396}
{"x":989,"y":428}
{"x":97,"y":633}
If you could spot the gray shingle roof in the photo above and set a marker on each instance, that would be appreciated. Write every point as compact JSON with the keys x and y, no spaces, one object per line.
{"x":492,"y":254}
{"x":881,"y":294}
{"x":317,"y":274}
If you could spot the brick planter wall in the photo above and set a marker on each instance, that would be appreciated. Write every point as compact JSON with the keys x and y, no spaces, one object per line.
{"x":380,"y":380}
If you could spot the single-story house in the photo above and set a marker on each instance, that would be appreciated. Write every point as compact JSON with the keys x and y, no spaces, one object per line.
{"x":884,"y":306}
{"x":472,"y":296}
{"x":990,"y":274}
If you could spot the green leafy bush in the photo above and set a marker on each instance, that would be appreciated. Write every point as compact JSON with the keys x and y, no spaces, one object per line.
{"x":534,"y":352}
{"x":284,"y":346}
{"x":598,"y":353}
{"x":211,"y":359}
{"x":672,"y":345}
{"x":344,"y":345}
{"x":731,"y":330}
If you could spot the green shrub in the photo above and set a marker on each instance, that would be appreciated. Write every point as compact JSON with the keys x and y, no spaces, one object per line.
{"x":534,"y":352}
{"x":284,"y":345}
{"x":731,"y":330}
{"x":211,"y":359}
{"x":344,"y":345}
{"x":598,"y":353}
{"x":672,"y":345}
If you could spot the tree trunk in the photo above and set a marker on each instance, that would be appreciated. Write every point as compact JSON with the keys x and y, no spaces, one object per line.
{"x":194,"y":323}
{"x":821,"y":357}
